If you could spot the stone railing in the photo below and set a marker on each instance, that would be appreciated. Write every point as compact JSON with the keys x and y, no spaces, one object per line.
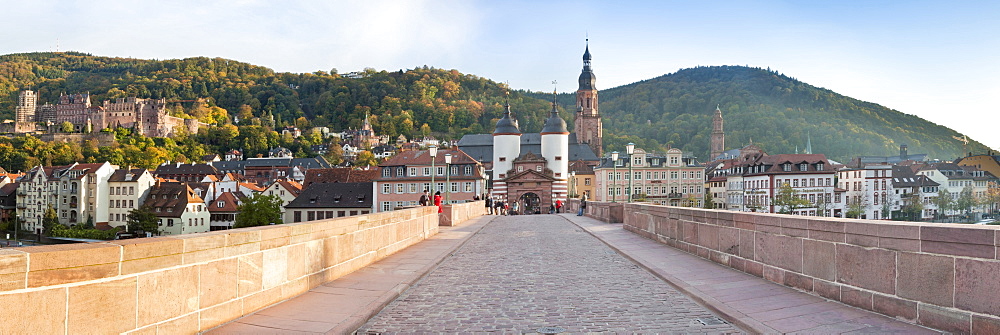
{"x":611,"y":212}
{"x":456,"y":214}
{"x":943,"y":276}
{"x":189,"y":283}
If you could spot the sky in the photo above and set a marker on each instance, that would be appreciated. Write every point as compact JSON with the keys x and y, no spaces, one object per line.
{"x":934,"y":59}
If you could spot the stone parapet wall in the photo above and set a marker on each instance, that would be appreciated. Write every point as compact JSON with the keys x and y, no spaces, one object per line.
{"x":190,"y":283}
{"x":456,"y":214}
{"x":942,"y":276}
{"x":610,"y":212}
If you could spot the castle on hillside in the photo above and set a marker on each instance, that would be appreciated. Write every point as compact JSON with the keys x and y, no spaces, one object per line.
{"x":147,"y":116}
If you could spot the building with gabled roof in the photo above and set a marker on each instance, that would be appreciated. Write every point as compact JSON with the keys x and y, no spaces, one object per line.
{"x":322,"y":201}
{"x":178,"y":208}
{"x":224,"y":209}
{"x":287,"y":190}
{"x":403,"y":178}
{"x":78,"y":193}
{"x":127,"y":189}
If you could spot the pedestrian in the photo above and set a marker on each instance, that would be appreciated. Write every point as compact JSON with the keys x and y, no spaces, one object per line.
{"x":489,"y":205}
{"x":423,"y":199}
{"x":475,"y":197}
{"x":583,"y":205}
{"x":437,"y":201}
{"x":559,"y":205}
{"x":514,"y":212}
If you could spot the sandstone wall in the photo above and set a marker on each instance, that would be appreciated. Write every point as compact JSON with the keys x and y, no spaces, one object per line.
{"x":456,"y":214}
{"x":188,"y":283}
{"x":943,"y":276}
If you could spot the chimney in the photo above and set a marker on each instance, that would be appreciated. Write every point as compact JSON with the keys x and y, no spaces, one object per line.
{"x":902,"y":153}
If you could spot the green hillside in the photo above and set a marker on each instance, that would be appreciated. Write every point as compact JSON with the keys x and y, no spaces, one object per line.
{"x":775,"y":111}
{"x":401,"y":102}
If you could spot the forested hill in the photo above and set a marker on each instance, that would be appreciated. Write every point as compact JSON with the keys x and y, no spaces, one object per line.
{"x":401,"y":102}
{"x":775,"y":111}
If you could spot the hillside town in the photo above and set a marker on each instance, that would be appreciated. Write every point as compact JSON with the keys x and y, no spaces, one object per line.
{"x":529,"y":172}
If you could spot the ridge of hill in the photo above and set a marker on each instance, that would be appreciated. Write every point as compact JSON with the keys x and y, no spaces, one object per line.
{"x":775,"y":111}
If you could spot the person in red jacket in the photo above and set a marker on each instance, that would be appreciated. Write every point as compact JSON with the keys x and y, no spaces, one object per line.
{"x":559,"y":205}
{"x":437,"y":201}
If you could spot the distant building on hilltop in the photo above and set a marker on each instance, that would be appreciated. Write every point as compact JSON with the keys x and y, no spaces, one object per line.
{"x":146,"y":116}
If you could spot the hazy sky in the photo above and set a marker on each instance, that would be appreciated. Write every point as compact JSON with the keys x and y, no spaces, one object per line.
{"x":936,"y":59}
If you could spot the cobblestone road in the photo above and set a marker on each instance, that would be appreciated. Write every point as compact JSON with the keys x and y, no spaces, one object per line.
{"x":523,"y":273}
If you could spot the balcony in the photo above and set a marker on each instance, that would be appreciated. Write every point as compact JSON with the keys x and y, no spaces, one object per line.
{"x":72,"y":205}
{"x":22,"y":206}
{"x":675,"y":195}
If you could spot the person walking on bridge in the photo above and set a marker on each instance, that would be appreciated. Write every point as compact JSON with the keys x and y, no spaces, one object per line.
{"x":583,"y":205}
{"x":437,"y":201}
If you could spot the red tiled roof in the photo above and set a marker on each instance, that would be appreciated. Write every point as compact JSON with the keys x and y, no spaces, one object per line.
{"x":339,"y":175}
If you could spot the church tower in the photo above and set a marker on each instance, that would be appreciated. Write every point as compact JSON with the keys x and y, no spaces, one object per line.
{"x":555,"y":150}
{"x":718,"y":135}
{"x":587,"y":121}
{"x":506,"y":148}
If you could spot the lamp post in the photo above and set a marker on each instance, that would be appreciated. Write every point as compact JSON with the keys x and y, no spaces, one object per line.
{"x":614,"y":175}
{"x":433,"y":150}
{"x":447,"y":183}
{"x":630,"y":149}
{"x":572,"y":183}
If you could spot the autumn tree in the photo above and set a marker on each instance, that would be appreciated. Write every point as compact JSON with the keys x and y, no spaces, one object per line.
{"x":365,"y":158}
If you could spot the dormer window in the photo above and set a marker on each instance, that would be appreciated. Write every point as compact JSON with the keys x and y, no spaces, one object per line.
{"x":803,"y":167}
{"x":819,"y":166}
{"x":786,"y":167}
{"x":221,"y":204}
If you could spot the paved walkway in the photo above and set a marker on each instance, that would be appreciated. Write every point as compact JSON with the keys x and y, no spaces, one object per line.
{"x":751,"y":302}
{"x":523,"y":274}
{"x":343,"y":305}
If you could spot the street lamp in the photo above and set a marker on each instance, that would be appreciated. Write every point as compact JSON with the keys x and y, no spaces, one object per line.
{"x":433,"y":150}
{"x":447,"y":183}
{"x":614,"y":175}
{"x":572,"y":183}
{"x":630,"y":149}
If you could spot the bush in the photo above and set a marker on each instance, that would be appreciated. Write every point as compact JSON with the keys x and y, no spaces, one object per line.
{"x":93,"y":234}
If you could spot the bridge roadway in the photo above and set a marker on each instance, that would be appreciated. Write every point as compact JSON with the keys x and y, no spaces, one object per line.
{"x":551,"y":273}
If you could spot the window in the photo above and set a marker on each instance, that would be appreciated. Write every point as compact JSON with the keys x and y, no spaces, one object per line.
{"x":386,"y":188}
{"x":786,"y":167}
{"x":637,"y":160}
{"x":468,"y":187}
{"x":427,"y":171}
{"x":413,"y":188}
{"x":340,"y":213}
{"x":439,"y":187}
{"x":538,"y":168}
{"x":468,"y":170}
{"x":819,"y":166}
{"x":454,"y":187}
{"x":586,"y":181}
{"x":400,"y":189}
{"x":413,"y":171}
{"x":385,"y":206}
{"x":221,"y":204}
{"x":311,"y":215}
{"x":454,"y":170}
{"x":440,"y":170}
{"x":673,"y":174}
{"x":399,"y":171}
{"x":386,"y":172}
